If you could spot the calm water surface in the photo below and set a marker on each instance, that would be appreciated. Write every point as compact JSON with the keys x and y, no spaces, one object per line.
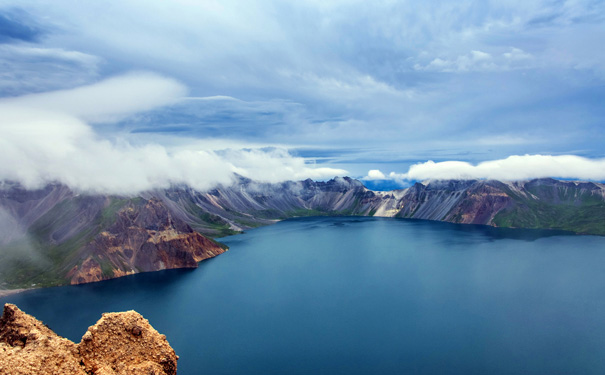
{"x":366,"y":296}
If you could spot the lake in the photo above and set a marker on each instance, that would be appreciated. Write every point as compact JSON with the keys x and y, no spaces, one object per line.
{"x":366,"y":296}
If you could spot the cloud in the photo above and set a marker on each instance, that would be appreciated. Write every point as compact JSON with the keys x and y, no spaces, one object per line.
{"x":16,"y":25}
{"x":418,"y":79}
{"x":516,"y":167}
{"x":517,"y":54}
{"x":275,"y":165}
{"x":10,"y":229}
{"x":221,"y":116}
{"x":29,"y":68}
{"x":45,"y":139}
{"x":110,"y":99}
{"x":26,"y":51}
{"x":374,"y":174}
{"x":16,"y":245}
{"x":479,"y":61}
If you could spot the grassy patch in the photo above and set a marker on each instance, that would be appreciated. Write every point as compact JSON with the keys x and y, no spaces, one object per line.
{"x":106,"y":267}
{"x":23,"y":263}
{"x":39,"y":259}
{"x":587,"y":217}
{"x":210,"y":223}
{"x":314,"y":212}
{"x":269,"y":214}
{"x":109,"y":214}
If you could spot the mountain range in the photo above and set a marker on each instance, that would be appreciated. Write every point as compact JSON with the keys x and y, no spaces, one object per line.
{"x":56,"y":236}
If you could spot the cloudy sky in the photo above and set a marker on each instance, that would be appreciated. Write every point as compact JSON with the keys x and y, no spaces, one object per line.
{"x":124,"y":95}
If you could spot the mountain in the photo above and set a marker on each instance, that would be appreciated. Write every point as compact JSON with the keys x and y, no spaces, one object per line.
{"x":54,"y":236}
{"x":542,"y":203}
{"x":60,"y":237}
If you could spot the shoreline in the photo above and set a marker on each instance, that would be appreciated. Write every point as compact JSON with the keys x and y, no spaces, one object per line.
{"x":10,"y":292}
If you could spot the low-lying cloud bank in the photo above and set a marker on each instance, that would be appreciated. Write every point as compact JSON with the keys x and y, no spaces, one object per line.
{"x":516,"y":167}
{"x":45,"y":138}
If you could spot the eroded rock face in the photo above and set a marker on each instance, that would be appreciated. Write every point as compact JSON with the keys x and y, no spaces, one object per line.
{"x":119,"y":343}
{"x":145,"y":237}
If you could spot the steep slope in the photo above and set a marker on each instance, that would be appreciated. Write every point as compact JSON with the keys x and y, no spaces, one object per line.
{"x":248,"y":204}
{"x":545,"y":203}
{"x":60,"y":237}
{"x":144,"y":237}
{"x":55,"y":236}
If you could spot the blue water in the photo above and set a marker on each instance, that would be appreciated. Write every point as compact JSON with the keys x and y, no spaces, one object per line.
{"x":366,"y":296}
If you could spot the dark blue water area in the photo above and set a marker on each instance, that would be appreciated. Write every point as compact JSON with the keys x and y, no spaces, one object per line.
{"x":366,"y":296}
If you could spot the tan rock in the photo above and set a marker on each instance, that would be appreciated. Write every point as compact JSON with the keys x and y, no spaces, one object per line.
{"x":119,"y":343}
{"x":126,"y":343}
{"x":27,"y":346}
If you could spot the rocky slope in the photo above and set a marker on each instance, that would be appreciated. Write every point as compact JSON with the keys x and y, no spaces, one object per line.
{"x":247,"y":204}
{"x":56,"y":236}
{"x":60,"y":237}
{"x":119,"y":343}
{"x":545,"y":203}
{"x":144,"y":237}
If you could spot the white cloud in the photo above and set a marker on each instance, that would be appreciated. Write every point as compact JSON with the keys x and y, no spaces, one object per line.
{"x":348,"y":84}
{"x":480,"y":56}
{"x":275,"y":165}
{"x":479,"y":61}
{"x":45,"y":139}
{"x":473,"y":61}
{"x":374,"y":174}
{"x":106,"y":100}
{"x":516,"y":54}
{"x":10,"y":228}
{"x":351,"y":79}
{"x":23,"y":52}
{"x":516,"y":167}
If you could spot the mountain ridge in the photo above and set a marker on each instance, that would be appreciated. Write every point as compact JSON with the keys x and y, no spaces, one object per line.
{"x":487,"y":202}
{"x":56,"y":236}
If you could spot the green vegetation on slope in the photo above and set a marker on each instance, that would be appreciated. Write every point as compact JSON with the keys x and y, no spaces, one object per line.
{"x":303,"y":212}
{"x":209,"y":223}
{"x":39,"y":259}
{"x":555,"y":208}
{"x":584,"y":220}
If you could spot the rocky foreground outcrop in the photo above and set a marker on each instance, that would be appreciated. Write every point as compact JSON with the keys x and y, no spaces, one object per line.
{"x":119,"y":343}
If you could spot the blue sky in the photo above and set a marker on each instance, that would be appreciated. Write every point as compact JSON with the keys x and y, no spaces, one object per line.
{"x":347,"y":86}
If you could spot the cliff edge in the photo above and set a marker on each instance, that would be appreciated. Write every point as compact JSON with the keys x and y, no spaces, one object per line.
{"x":119,"y":343}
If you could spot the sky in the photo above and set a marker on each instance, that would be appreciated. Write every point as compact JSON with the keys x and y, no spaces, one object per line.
{"x":123,"y":96}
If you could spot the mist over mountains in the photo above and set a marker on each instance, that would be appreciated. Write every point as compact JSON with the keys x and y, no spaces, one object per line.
{"x":60,"y":236}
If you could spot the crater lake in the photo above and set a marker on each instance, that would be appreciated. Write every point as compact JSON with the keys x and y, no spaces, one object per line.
{"x":352,"y":295}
